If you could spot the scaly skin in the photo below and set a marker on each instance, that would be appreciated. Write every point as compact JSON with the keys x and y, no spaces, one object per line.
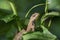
{"x":29,"y":27}
{"x":31,"y":24}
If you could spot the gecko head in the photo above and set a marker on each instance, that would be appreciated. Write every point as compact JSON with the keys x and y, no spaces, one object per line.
{"x":34,"y":16}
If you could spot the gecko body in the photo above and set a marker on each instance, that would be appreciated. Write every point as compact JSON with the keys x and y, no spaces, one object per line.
{"x":29,"y":27}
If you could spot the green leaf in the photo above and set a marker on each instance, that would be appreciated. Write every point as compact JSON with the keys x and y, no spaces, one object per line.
{"x":38,"y":36}
{"x":8,"y":30}
{"x":7,"y":11}
{"x":47,"y":15}
{"x":45,"y":35}
{"x":7,"y":18}
{"x":54,"y":4}
{"x":5,"y":5}
{"x":11,"y":32}
{"x":55,"y":26}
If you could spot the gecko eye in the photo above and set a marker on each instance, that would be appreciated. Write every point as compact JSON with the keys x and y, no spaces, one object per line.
{"x":34,"y":15}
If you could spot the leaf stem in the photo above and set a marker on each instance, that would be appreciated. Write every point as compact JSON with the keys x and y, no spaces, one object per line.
{"x":49,"y":24}
{"x":33,"y":8}
{"x":46,"y":7}
{"x":13,"y":8}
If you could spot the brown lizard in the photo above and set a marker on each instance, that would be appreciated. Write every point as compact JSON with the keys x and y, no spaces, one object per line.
{"x":29,"y":27}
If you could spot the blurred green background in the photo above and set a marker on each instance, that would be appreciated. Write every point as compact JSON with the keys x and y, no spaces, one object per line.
{"x":7,"y":30}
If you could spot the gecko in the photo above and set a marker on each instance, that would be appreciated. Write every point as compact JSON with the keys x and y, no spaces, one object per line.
{"x":30,"y":27}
